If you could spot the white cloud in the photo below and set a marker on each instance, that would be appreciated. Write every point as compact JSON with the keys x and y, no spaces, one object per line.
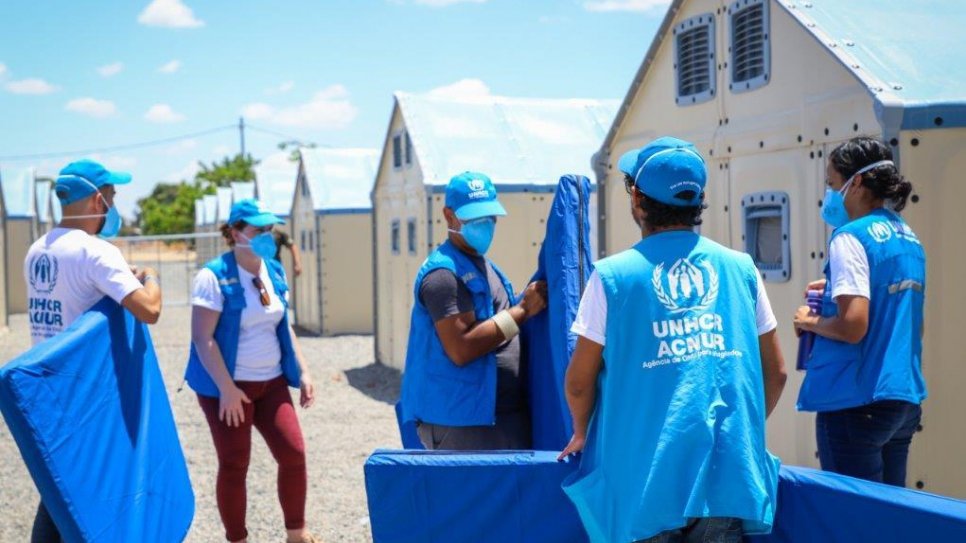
{"x":330,"y":108}
{"x":180,"y":147}
{"x":170,"y":67}
{"x":462,"y":89}
{"x":169,"y":14}
{"x":31,"y":86}
{"x":92,"y":107}
{"x":187,"y":173}
{"x":109,"y":70}
{"x":282,"y":88}
{"x":3,"y":68}
{"x":162,"y":113}
{"x":625,"y":5}
{"x":222,"y":151}
{"x":116,"y":162}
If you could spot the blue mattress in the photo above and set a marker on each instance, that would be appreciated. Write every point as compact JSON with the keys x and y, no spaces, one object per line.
{"x":89,"y":412}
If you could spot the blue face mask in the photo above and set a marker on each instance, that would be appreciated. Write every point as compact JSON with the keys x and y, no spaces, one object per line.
{"x":112,"y":223}
{"x":478,"y":233}
{"x":833,"y":206}
{"x":262,"y":245}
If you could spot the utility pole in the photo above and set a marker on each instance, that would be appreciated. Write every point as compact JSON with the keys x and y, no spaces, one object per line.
{"x":241,"y":133}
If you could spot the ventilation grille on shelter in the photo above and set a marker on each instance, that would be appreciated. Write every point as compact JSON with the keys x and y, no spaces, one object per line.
{"x":748,"y":44}
{"x":694,"y":67}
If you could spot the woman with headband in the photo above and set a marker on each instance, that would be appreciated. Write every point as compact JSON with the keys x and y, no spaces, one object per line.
{"x":864,"y":376}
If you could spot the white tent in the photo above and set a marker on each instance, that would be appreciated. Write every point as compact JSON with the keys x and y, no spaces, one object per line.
{"x":524,"y":145}
{"x":766,"y":89}
{"x":332,"y":225}
{"x":20,"y":230}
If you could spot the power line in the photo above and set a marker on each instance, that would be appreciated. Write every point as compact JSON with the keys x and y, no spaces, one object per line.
{"x":116,"y":148}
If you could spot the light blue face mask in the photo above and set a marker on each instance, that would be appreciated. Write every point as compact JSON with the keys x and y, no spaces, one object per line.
{"x":262,"y":245}
{"x":478,"y":233}
{"x":833,"y":207}
{"x":112,"y":217}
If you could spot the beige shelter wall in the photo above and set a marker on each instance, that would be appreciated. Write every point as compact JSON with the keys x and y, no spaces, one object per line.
{"x":3,"y":276}
{"x":18,"y":239}
{"x":346,"y":273}
{"x":398,"y":195}
{"x":775,"y":138}
{"x":306,"y":285}
{"x":935,"y":167}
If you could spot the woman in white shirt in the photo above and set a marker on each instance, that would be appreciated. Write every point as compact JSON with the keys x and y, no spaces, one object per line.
{"x":244,"y":355}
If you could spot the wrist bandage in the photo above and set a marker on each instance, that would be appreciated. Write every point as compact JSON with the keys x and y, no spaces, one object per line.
{"x":504,"y":321}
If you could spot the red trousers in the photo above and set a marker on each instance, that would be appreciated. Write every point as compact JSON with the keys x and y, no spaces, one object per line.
{"x":272,"y":413}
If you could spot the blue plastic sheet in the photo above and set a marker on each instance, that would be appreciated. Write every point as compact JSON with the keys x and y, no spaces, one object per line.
{"x":515,"y":497}
{"x":89,"y":412}
{"x":565,"y":264}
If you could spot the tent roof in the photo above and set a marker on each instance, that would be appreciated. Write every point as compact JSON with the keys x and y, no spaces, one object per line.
{"x":340,"y":179}
{"x":224,"y":203}
{"x":242,"y":190}
{"x":43,"y":200}
{"x":211,"y":208}
{"x":512,"y":140}
{"x":276,"y":176}
{"x":18,"y":192}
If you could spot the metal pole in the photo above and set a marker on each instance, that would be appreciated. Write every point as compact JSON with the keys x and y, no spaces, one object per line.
{"x":241,"y":133}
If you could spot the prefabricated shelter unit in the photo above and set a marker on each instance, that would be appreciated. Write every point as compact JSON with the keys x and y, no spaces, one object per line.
{"x":332,"y":225}
{"x":211,"y":245}
{"x":523,"y":145}
{"x":44,"y":201}
{"x":20,"y":230}
{"x":766,"y":89}
{"x":241,"y":190}
{"x":201,"y":243}
{"x":275,"y":178}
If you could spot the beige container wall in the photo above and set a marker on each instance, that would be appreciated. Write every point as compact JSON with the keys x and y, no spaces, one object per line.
{"x":19,"y":237}
{"x":306,"y":285}
{"x":774,"y":138}
{"x":346,"y":273}
{"x":4,"y":320}
{"x":935,"y":166}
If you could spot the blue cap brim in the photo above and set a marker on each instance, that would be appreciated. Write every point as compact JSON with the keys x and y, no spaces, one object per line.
{"x":480,"y":209}
{"x":119,"y":178}
{"x":263,"y":219}
{"x":627,"y":161}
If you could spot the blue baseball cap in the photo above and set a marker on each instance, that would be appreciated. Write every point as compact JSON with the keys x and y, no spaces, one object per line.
{"x":252,"y":212}
{"x":668,"y":166}
{"x":81,"y":179}
{"x":471,"y":195}
{"x":627,"y":162}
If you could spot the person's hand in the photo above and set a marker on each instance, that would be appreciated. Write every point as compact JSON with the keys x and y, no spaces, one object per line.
{"x":805,"y":319}
{"x":815,"y":285}
{"x":307,"y":391}
{"x":575,"y":446}
{"x":230,"y":408}
{"x":297,"y":269}
{"x":141,"y":273}
{"x":534,"y":298}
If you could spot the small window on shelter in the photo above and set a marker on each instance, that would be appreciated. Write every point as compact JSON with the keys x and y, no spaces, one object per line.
{"x":749,"y":45}
{"x":694,"y":60}
{"x":411,"y":235}
{"x":766,"y":233}
{"x":394,"y":234}
{"x":397,"y":151}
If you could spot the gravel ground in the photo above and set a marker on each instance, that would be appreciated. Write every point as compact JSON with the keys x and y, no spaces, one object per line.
{"x":353,"y":414}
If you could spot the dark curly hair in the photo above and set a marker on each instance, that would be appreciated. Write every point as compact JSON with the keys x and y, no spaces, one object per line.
{"x":885,"y":182}
{"x":660,"y":215}
{"x":227,"y":228}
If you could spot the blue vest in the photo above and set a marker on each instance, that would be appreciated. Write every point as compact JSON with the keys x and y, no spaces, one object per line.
{"x":229,"y":325}
{"x":434,"y":389}
{"x":678,"y":430}
{"x":885,"y":365}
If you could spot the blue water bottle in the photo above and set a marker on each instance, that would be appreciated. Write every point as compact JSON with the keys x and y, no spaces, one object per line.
{"x":813,"y":298}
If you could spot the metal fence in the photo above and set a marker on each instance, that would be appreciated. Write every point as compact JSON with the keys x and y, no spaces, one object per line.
{"x":175,"y":257}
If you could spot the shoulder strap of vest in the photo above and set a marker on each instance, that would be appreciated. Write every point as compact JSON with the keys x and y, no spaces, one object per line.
{"x":277,"y":274}
{"x":225,"y":268}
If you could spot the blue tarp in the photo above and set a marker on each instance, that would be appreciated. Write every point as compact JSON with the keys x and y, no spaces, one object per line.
{"x":565,"y":264}
{"x":89,"y":412}
{"x":515,"y":497}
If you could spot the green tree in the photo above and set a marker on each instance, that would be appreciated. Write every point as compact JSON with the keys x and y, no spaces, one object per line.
{"x":221,"y":174}
{"x":170,"y":208}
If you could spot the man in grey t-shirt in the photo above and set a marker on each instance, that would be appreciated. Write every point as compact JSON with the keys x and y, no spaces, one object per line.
{"x":450,"y":310}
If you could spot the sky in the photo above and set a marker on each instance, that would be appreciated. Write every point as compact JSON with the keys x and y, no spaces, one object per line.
{"x":88,"y":76}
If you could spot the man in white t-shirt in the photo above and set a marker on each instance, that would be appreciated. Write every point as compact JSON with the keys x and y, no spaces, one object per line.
{"x":70,"y":269}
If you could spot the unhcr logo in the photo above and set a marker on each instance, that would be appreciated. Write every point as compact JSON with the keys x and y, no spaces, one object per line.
{"x":689,"y":287}
{"x":881,"y":232}
{"x":43,"y":273}
{"x":477,"y":189}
